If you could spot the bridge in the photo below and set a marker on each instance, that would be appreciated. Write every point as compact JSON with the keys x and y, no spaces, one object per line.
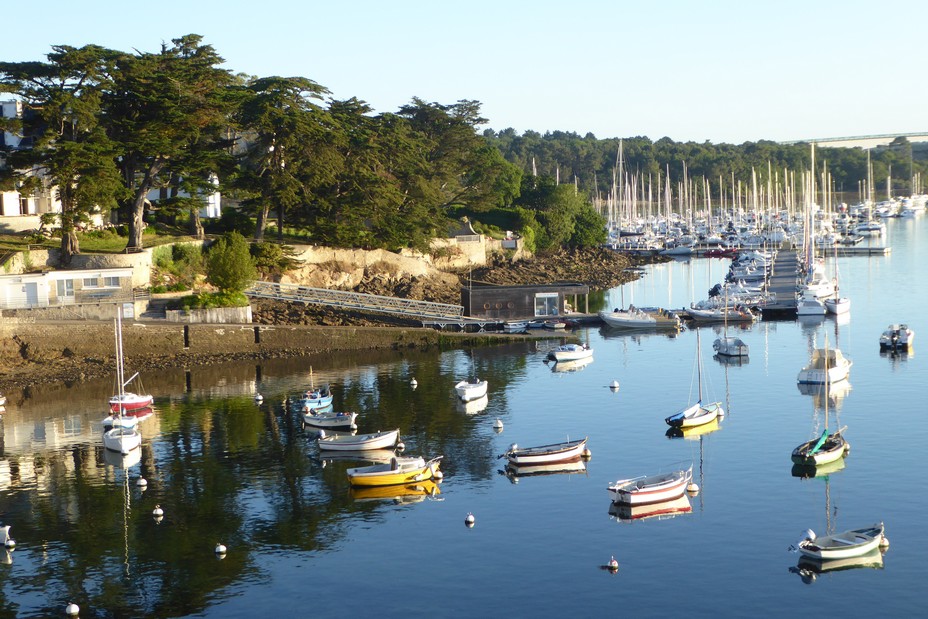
{"x":863,"y":141}
{"x":429,"y":313}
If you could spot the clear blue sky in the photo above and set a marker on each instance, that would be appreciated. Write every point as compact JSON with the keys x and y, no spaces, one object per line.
{"x":725,"y":71}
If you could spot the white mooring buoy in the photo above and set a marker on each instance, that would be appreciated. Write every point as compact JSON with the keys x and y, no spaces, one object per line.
{"x":613,"y":565}
{"x":469,"y":520}
{"x":884,"y":542}
{"x":413,"y":383}
{"x":401,"y":446}
{"x":259,"y":397}
{"x":498,"y":425}
{"x":141,"y":482}
{"x":692,"y":488}
{"x":72,"y":609}
{"x":586,"y":454}
{"x":220,"y":548}
{"x":614,"y":385}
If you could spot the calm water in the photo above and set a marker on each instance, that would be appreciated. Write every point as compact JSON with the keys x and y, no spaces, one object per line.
{"x":226,"y":469}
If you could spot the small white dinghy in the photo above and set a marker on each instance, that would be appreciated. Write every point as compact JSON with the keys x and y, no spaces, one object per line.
{"x":844,"y":545}
{"x":473,"y":389}
{"x":359,"y":442}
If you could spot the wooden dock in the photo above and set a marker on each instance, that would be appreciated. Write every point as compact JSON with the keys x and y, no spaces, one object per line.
{"x":783,"y":286}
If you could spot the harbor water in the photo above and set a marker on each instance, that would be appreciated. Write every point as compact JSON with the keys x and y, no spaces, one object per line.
{"x":227,"y":469}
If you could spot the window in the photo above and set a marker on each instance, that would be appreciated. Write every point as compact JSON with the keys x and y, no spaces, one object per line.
{"x":111,"y":282}
{"x":546,"y":303}
{"x":90,"y":282}
{"x":65,"y":288}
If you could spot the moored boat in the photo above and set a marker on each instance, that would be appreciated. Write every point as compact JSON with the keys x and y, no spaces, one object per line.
{"x":515,"y":326}
{"x":843,"y":545}
{"x":570,"y":352}
{"x":358,"y":442}
{"x":651,"y":488}
{"x":330,"y":419}
{"x":821,"y":450}
{"x":568,"y":451}
{"x":641,"y":318}
{"x":827,"y":366}
{"x":473,"y":389}
{"x":400,"y":470}
{"x":897,"y":337}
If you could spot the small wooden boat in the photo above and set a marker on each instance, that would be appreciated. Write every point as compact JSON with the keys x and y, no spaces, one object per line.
{"x":568,"y":451}
{"x":570,"y":352}
{"x":330,"y":419}
{"x":313,"y":399}
{"x":844,"y":545}
{"x":473,"y":389}
{"x":695,"y":415}
{"x":822,"y":450}
{"x":122,"y":440}
{"x":410,"y":493}
{"x":359,"y":442}
{"x":400,"y":470}
{"x":515,"y":326}
{"x":651,"y":488}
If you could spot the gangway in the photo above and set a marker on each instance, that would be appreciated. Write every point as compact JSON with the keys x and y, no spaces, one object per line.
{"x":428,"y":312}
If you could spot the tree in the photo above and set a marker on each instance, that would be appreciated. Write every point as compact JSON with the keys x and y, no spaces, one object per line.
{"x":67,"y":150}
{"x":229,"y":265}
{"x":166,"y":111}
{"x":288,"y":154}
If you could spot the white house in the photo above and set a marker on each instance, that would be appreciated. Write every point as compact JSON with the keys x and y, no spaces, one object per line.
{"x":65,"y":288}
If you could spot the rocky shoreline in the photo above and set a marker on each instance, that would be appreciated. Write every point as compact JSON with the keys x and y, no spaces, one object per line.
{"x":23,"y":364}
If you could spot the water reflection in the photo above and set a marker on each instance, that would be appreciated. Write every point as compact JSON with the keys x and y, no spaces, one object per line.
{"x":474,"y":406}
{"x":654,"y":511}
{"x":515,"y":472}
{"x":571,"y":366}
{"x":809,"y":569}
{"x":401,"y":495}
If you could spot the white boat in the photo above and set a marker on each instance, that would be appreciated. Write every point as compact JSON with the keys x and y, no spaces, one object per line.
{"x":641,"y":318}
{"x":472,"y":389}
{"x":330,"y":419}
{"x":897,"y":337}
{"x":696,"y":414}
{"x":843,"y":545}
{"x":838,"y":305}
{"x":809,"y":305}
{"x":120,"y":438}
{"x":570,"y":352}
{"x":729,"y":346}
{"x":651,"y":488}
{"x":737,"y":313}
{"x":313,"y":398}
{"x":826,"y":367}
{"x":515,"y":326}
{"x":568,"y":451}
{"x":358,"y":442}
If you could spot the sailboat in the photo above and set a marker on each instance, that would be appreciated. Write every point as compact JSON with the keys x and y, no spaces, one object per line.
{"x":698,"y":413}
{"x":828,"y":447}
{"x":837,"y":304}
{"x":121,"y":438}
{"x":729,"y":346}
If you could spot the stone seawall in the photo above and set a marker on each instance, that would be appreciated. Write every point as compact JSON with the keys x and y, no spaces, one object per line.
{"x":39,"y":352}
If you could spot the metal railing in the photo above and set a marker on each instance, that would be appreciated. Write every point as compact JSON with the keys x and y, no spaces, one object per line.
{"x":342,"y":299}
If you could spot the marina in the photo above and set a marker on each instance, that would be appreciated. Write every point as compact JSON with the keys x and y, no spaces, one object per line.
{"x":225,"y":468}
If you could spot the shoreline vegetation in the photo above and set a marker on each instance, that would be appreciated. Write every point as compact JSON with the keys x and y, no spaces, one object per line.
{"x":37,"y":353}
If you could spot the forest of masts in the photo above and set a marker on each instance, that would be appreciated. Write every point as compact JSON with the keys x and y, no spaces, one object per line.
{"x":637,"y":198}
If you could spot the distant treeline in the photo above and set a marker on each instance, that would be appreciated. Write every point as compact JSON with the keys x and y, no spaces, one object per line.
{"x":591,"y":161}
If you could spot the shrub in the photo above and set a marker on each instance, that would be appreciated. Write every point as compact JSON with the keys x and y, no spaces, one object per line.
{"x":210,"y":300}
{"x":229,"y":266}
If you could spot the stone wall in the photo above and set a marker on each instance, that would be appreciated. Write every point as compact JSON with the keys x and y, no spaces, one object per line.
{"x":216,"y":315}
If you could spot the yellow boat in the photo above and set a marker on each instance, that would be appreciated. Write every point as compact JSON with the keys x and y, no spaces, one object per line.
{"x":400,"y":470}
{"x":412,"y":493}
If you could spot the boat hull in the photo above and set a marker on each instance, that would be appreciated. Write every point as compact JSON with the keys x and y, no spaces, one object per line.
{"x":122,"y":440}
{"x":130,"y":402}
{"x":399,"y":471}
{"x":556,"y":453}
{"x":468,"y":391}
{"x":334,"y":421}
{"x":360,"y":442}
{"x":570,"y":352}
{"x":844,"y":545}
{"x":651,"y":489}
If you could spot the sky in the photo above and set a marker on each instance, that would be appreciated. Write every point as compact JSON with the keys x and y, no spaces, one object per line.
{"x":697,"y":70}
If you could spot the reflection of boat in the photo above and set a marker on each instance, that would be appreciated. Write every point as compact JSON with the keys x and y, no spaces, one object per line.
{"x":666,"y":509}
{"x":473,"y":389}
{"x":897,"y":337}
{"x":693,"y":432}
{"x":834,"y":393}
{"x":571,"y":366}
{"x":358,"y":442}
{"x":651,"y":488}
{"x":568,"y":451}
{"x":409,"y":493}
{"x":809,"y":568}
{"x":570,"y":352}
{"x":474,"y":406}
{"x":737,"y":361}
{"x":120,"y":460}
{"x":399,"y":470}
{"x":514,"y":472}
{"x":374,"y":456}
{"x":843,"y":545}
{"x":808,"y":472}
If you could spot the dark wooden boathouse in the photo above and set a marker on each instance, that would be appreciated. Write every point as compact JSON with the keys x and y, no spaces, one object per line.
{"x":520,"y":302}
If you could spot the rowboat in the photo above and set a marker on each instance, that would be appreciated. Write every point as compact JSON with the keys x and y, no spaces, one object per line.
{"x":844,"y":545}
{"x":695,"y":415}
{"x":358,"y":442}
{"x":651,"y":488}
{"x":570,"y":352}
{"x":568,"y":451}
{"x":515,"y":326}
{"x":400,"y":470}
{"x":313,"y":398}
{"x":410,"y":493}
{"x":825,"y":449}
{"x":330,"y":419}
{"x":472,"y":389}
